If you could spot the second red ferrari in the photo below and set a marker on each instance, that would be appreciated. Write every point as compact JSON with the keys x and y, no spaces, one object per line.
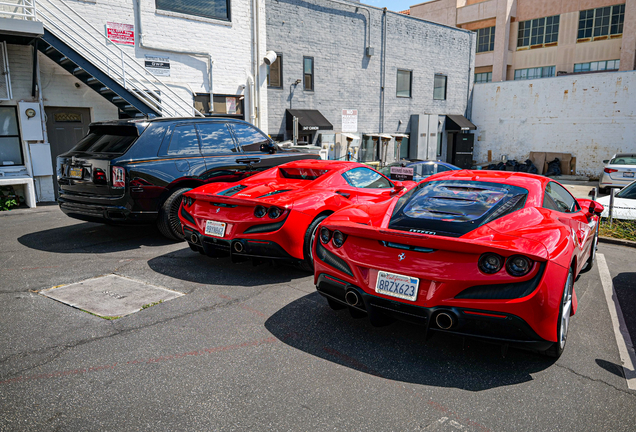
{"x":275,"y":214}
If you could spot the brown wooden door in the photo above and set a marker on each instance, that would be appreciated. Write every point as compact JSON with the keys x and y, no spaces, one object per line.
{"x":65,"y":127}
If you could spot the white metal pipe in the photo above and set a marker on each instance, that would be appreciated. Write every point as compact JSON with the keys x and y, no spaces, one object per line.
{"x":250,"y":90}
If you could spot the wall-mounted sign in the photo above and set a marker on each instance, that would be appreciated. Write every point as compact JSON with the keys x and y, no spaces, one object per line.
{"x":123,"y":34}
{"x":230,"y":105}
{"x":350,"y":120}
{"x":158,"y":66}
{"x":401,"y":173}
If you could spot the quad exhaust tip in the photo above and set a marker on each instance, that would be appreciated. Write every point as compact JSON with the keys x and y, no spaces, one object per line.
{"x":238,"y":247}
{"x":444,"y":320}
{"x":352,"y":298}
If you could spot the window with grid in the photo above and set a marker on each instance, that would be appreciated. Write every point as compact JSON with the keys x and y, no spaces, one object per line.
{"x":483,"y":77}
{"x":533,"y":73}
{"x":486,"y":39}
{"x":601,"y":22}
{"x":10,"y":147}
{"x":538,"y":31}
{"x":217,"y":9}
{"x":605,"y":65}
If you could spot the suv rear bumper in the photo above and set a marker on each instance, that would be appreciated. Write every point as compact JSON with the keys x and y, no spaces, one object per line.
{"x":105,"y":213}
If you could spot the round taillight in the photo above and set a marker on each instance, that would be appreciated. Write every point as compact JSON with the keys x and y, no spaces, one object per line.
{"x":490,"y":263}
{"x":325,"y":235}
{"x":274,"y":213}
{"x":260,"y":211}
{"x":518,"y":265}
{"x":338,"y":239}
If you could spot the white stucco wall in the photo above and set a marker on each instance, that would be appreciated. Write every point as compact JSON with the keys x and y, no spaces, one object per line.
{"x":591,"y":116}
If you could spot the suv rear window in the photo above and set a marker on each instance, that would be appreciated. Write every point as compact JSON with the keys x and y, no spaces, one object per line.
{"x":455,"y":207}
{"x":113,"y":140}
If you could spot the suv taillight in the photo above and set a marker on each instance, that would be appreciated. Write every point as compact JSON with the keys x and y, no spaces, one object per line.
{"x":119,"y":177}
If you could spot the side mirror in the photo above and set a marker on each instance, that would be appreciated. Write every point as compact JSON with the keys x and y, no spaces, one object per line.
{"x":596,"y":208}
{"x":268,"y":148}
{"x":399,"y":187}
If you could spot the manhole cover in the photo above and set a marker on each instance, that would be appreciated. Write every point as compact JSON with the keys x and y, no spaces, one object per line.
{"x":110,"y":295}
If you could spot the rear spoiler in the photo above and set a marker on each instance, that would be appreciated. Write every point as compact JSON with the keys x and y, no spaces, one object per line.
{"x":502,"y":243}
{"x":229,"y":200}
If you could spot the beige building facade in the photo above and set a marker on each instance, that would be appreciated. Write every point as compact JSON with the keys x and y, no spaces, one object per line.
{"x":526,"y":39}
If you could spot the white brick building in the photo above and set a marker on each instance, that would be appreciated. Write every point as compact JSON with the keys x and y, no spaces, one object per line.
{"x":196,"y":52}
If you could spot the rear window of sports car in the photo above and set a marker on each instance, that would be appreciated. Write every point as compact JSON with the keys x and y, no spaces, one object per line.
{"x":455,"y":207}
{"x":301,"y":173}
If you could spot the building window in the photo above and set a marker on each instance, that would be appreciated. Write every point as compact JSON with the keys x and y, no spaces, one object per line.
{"x":308,"y":73}
{"x":10,"y":148}
{"x":538,"y":32}
{"x":486,"y":39}
{"x":532,"y":73}
{"x":275,"y":73}
{"x":605,"y":65}
{"x":404,"y":81}
{"x":483,"y":77}
{"x":439,"y":89}
{"x":216,"y":9}
{"x":601,"y":22}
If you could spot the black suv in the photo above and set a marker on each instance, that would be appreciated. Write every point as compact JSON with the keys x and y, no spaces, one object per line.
{"x":136,"y":170}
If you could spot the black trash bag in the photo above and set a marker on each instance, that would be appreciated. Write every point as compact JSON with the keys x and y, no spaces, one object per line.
{"x":523,"y":168}
{"x":492,"y":167}
{"x":500,"y":166}
{"x":530,"y":168}
{"x":554,"y":168}
{"x":512,"y":165}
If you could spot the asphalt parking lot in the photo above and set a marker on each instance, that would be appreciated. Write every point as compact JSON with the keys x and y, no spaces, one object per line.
{"x":256,"y":348}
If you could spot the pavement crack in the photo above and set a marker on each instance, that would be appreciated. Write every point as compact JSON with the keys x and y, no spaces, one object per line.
{"x":628,"y":392}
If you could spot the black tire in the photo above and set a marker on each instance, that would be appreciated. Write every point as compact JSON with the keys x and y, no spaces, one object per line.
{"x":563,"y":321}
{"x":168,"y":222}
{"x":308,"y":243}
{"x":590,"y":261}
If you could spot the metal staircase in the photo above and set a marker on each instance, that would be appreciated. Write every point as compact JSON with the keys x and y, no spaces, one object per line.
{"x":85,"y":52}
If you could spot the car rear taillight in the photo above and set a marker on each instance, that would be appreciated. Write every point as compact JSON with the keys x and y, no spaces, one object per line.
{"x":610,"y":170}
{"x":325,"y":235}
{"x":338,"y":239}
{"x":518,"y":265}
{"x":490,"y":263}
{"x":99,"y":177}
{"x":119,"y":177}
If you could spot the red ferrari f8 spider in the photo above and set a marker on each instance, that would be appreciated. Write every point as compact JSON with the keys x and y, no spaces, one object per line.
{"x":275,"y":214}
{"x":476,"y":253}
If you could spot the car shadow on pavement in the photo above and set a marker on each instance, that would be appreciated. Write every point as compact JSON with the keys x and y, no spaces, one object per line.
{"x":191,"y":266}
{"x":94,"y":238}
{"x":399,"y":351}
{"x":625,"y":288}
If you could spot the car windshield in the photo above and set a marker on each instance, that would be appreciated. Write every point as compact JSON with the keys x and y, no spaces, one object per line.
{"x":628,"y":192}
{"x":623,"y":160}
{"x":455,"y":207}
{"x":107,"y":140}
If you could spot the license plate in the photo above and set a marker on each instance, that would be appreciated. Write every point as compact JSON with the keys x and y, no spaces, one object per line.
{"x":628,"y":174}
{"x":397,"y":285}
{"x":214,"y":228}
{"x":75,"y":173}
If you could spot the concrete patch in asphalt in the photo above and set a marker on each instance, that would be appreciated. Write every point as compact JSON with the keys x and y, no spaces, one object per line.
{"x":110,"y":295}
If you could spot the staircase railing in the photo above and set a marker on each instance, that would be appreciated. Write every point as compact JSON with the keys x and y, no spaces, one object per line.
{"x":18,"y":9}
{"x":91,"y":43}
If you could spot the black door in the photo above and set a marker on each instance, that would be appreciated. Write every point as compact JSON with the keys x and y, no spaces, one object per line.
{"x":463,"y":150}
{"x":65,"y":127}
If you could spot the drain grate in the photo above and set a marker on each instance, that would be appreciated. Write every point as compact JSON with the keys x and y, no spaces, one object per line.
{"x":110,"y":295}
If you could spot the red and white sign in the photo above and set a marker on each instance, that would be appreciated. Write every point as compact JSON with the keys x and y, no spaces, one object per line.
{"x":123,"y":34}
{"x":401,"y":173}
{"x":350,"y":120}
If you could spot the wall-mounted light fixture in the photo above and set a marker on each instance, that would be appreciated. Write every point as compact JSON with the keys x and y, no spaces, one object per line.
{"x":30,"y":112}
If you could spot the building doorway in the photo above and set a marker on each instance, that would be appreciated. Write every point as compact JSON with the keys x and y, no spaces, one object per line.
{"x":65,"y":127}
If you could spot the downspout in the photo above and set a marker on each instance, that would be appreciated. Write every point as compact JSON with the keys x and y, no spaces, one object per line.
{"x":383,"y":70}
{"x":252,"y":101}
{"x":255,"y":83}
{"x":171,"y":50}
{"x":469,"y":104}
